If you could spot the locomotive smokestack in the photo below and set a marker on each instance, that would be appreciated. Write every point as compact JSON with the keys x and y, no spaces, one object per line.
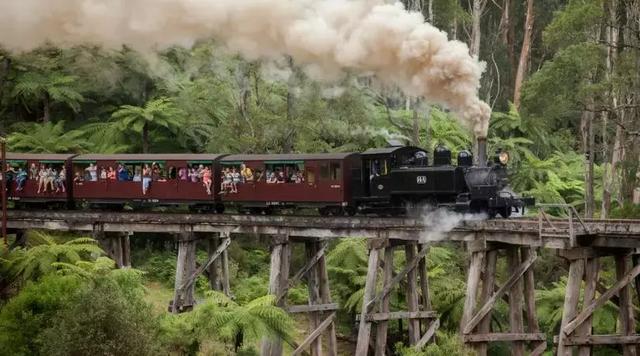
{"x":482,"y":151}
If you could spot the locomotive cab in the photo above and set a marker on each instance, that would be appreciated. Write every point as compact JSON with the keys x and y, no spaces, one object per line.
{"x":376,"y":180}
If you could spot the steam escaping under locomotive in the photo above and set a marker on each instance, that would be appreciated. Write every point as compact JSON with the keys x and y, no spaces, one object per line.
{"x":383,"y":181}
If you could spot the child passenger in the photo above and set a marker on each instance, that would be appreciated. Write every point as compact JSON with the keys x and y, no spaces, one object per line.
{"x":21,"y":179}
{"x":146,"y":179}
{"x":60,"y":180}
{"x":183,"y":174}
{"x":206,"y":179}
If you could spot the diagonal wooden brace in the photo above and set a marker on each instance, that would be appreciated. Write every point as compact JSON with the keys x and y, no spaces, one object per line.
{"x":600,"y":301}
{"x":298,"y":276}
{"x":223,"y":246}
{"x":431,"y":330}
{"x":398,"y":277}
{"x":314,"y":335}
{"x":517,"y":274}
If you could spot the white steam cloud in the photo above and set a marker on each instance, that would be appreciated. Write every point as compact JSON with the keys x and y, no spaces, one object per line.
{"x":438,"y":222}
{"x":326,"y":37}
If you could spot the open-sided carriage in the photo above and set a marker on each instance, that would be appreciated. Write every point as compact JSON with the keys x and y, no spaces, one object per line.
{"x":37,"y":190}
{"x":279,"y":181}
{"x":166,"y":187}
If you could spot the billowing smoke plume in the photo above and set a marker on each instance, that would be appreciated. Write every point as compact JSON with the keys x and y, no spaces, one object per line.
{"x":327,"y":37}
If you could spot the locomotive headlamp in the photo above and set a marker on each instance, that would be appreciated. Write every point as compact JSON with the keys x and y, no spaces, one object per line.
{"x":503,"y":157}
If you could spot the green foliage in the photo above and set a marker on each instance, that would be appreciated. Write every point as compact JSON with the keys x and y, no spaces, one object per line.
{"x":107,"y":319}
{"x":577,"y":22}
{"x":220,"y":318}
{"x":87,"y":307}
{"x":160,"y":266}
{"x":38,"y":260}
{"x":157,"y":113}
{"x":627,"y":211}
{"x":549,"y":303}
{"x":25,"y":317}
{"x":347,"y":267}
{"x":555,"y":95}
{"x":444,"y":129}
{"x":446,"y":344}
{"x":46,"y":138}
{"x":34,"y":87}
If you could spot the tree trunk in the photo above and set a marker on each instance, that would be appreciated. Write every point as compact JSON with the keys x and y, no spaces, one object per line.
{"x":46,"y":108}
{"x":506,"y":33}
{"x":609,"y":172}
{"x":4,"y":72}
{"x":287,"y":144}
{"x":476,"y":15}
{"x":523,"y":64}
{"x":145,"y":138}
{"x":586,"y":128}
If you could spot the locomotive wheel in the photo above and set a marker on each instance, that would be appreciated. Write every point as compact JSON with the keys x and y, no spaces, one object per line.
{"x":219,"y":208}
{"x":337,"y":212}
{"x":323,"y":211}
{"x":505,"y":212}
{"x":350,"y":210}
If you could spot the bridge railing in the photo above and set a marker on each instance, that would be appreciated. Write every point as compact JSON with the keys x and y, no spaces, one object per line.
{"x":544,"y":221}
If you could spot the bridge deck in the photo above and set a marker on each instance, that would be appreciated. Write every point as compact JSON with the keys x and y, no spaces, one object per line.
{"x":551,"y":234}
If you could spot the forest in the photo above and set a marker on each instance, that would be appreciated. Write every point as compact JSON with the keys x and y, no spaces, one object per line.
{"x":562,"y":80}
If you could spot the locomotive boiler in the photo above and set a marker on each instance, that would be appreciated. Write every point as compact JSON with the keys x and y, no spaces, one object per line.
{"x":395,"y":180}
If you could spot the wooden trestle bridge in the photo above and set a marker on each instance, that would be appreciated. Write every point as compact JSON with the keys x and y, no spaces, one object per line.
{"x":582,"y":242}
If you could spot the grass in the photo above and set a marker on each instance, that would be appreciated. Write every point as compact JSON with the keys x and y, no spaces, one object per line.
{"x":159,"y":296}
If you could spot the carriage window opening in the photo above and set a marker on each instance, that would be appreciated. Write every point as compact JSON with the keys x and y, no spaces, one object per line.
{"x":284,"y":172}
{"x":379,"y":167}
{"x":84,"y":171}
{"x":336,"y":171}
{"x":16,"y":172}
{"x":324,"y":171}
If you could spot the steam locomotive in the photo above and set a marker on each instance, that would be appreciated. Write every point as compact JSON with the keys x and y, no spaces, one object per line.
{"x":382,"y":181}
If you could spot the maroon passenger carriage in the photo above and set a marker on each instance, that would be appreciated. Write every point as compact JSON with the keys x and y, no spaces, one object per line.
{"x":325,"y":182}
{"x":29,"y":194}
{"x":166,"y":189}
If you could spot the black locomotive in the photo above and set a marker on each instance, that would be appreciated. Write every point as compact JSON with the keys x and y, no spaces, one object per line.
{"x":395,"y":180}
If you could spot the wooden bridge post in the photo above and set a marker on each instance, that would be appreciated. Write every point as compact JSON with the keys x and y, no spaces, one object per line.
{"x":412,"y":294}
{"x":278,"y":275}
{"x":488,"y":283}
{"x":213,"y":270}
{"x":364,"y":330}
{"x":218,"y":263}
{"x":626,"y":318}
{"x":183,"y":299}
{"x":380,"y":300}
{"x":383,"y":326}
{"x":576,"y":327}
{"x":115,"y":244}
{"x":325,"y":297}
{"x":21,"y":238}
{"x":476,"y":321}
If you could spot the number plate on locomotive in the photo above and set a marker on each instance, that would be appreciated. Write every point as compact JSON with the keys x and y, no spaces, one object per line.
{"x":421,"y":179}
